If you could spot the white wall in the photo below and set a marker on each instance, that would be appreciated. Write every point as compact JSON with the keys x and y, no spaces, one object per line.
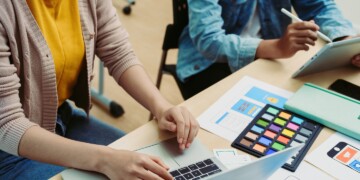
{"x":350,"y":9}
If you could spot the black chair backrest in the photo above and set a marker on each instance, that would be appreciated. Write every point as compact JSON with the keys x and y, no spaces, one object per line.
{"x":180,"y":20}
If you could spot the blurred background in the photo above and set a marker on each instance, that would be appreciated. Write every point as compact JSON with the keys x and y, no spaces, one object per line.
{"x":146,"y":25}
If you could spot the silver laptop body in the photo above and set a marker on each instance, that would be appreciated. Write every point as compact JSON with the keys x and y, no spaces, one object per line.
{"x":169,"y":152}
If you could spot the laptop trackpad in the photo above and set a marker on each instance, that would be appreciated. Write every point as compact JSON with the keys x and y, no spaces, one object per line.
{"x":172,"y":156}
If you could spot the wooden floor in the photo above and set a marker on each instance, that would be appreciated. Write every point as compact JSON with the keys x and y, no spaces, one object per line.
{"x":146,"y":26}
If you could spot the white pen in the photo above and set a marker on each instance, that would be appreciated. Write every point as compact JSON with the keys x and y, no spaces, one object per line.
{"x":292,"y":16}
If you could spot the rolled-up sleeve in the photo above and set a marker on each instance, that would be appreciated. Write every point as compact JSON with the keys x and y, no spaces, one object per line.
{"x":13,"y":123}
{"x":112,"y":41}
{"x":327,"y":15}
{"x":210,"y":39}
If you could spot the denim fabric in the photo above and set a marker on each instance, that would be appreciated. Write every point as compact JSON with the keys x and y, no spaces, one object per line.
{"x":71,"y":123}
{"x":212,"y":34}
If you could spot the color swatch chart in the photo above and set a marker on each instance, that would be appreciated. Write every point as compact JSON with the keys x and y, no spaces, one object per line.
{"x":275,"y":129}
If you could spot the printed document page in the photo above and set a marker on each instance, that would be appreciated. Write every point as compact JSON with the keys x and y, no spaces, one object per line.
{"x":338,"y":156}
{"x":230,"y":114}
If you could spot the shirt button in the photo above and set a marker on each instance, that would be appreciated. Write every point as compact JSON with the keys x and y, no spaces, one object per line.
{"x":196,"y":67}
{"x":91,"y":36}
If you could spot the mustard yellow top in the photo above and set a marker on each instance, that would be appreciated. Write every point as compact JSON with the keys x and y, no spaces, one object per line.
{"x":59,"y":21}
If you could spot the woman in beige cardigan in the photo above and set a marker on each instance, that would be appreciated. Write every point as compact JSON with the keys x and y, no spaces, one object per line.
{"x":47,"y":50}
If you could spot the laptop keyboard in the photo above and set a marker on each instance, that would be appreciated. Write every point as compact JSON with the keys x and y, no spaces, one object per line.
{"x":197,"y":170}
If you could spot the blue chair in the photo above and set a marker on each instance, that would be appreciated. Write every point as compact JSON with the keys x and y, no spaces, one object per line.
{"x":171,"y":41}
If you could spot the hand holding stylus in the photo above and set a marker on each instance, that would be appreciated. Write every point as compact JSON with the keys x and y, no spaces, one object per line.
{"x":298,"y":36}
{"x":292,"y":16}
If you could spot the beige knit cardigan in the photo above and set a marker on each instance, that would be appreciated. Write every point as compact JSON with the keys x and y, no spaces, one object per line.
{"x":28,"y":94}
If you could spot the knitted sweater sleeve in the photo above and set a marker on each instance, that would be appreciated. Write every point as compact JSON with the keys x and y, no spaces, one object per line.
{"x":13,"y":122}
{"x":112,"y":40}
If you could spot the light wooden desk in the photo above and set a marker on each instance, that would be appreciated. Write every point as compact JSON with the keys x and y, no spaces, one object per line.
{"x":277,"y":73}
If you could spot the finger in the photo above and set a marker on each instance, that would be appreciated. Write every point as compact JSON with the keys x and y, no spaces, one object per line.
{"x":157,"y":169}
{"x":168,"y":125}
{"x":305,"y":33}
{"x":187,"y":129}
{"x":192,"y":135}
{"x":306,"y":25}
{"x":194,"y":128}
{"x":159,"y":161}
{"x":180,"y":125}
{"x":356,"y":60}
{"x":304,"y":40}
{"x":356,"y":57}
{"x":299,"y":47}
{"x":145,"y":174}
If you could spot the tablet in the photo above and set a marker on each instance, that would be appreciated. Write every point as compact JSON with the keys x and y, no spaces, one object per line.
{"x":331,"y":56}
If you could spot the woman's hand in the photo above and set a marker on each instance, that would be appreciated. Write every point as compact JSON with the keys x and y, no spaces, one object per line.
{"x":175,"y":119}
{"x":122,"y":164}
{"x":42,"y":145}
{"x":179,"y":120}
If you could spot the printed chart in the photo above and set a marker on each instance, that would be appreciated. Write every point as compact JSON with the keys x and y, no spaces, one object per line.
{"x":338,"y":156}
{"x":230,"y":114}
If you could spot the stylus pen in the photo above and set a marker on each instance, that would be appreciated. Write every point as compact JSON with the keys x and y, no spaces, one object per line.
{"x":323,"y":36}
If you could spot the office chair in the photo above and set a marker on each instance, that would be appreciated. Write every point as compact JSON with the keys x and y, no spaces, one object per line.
{"x":127,"y":9}
{"x":171,"y":41}
{"x":97,"y":95}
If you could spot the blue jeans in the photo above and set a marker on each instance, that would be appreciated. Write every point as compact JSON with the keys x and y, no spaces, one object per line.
{"x":71,"y":123}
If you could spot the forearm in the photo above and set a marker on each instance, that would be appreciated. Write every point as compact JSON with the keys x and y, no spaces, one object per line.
{"x":44,"y":146}
{"x":138,"y":84}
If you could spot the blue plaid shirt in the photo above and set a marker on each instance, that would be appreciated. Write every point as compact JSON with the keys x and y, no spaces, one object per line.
{"x":212,"y":34}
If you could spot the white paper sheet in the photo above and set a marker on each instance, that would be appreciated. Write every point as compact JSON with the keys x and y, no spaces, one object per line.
{"x":230,"y":159}
{"x":304,"y":171}
{"x":230,"y":114}
{"x":350,"y":155}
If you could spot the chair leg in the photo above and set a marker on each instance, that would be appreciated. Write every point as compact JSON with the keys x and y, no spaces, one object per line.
{"x":160,"y":71}
{"x":114,"y":108}
{"x":127,"y":9}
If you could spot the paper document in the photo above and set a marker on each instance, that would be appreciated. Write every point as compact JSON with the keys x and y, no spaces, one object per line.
{"x":305,"y":171}
{"x":338,"y":156}
{"x":230,"y":114}
{"x":230,"y":158}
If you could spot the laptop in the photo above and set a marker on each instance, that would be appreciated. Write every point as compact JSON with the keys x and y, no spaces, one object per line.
{"x":197,"y":162}
{"x":331,"y":56}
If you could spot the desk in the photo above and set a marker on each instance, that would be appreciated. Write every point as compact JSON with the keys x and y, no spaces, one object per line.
{"x":277,"y":73}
